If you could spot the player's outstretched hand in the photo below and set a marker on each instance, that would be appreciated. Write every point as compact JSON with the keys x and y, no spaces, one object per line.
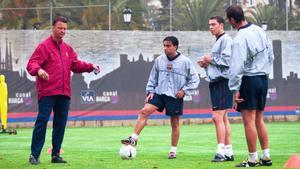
{"x":96,"y":69}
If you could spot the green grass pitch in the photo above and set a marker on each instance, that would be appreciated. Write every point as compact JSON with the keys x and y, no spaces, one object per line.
{"x":98,"y":147}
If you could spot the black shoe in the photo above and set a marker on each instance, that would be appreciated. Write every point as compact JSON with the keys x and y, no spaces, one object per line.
{"x":248,"y":164}
{"x":57,"y":159}
{"x":229,"y":158}
{"x":172,"y":155}
{"x":130,"y":141}
{"x":33,"y":160}
{"x":265,"y":161}
{"x":218,"y":158}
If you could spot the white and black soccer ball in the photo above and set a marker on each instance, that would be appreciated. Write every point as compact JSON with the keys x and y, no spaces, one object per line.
{"x":127,"y":152}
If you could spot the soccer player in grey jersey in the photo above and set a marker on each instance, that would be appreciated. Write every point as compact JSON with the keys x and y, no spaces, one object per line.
{"x":172,"y":77}
{"x":251,"y":61}
{"x":216,"y":65}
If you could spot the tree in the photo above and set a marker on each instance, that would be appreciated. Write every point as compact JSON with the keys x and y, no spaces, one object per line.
{"x":138,"y":14}
{"x":194,"y":14}
{"x":15,"y":19}
{"x":273,"y":16}
{"x":91,"y":17}
{"x":92,"y":20}
{"x":270,"y":14}
{"x":25,"y":18}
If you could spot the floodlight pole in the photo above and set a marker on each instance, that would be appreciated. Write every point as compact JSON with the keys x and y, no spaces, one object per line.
{"x":109,"y":15}
{"x":51,"y":11}
{"x":171,"y":14}
{"x":286,"y":16}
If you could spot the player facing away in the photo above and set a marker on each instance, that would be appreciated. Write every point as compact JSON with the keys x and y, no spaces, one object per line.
{"x":172,"y":77}
{"x":216,"y":65}
{"x":251,"y":61}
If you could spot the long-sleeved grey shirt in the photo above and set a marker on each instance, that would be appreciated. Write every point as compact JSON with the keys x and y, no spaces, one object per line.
{"x":252,"y":55}
{"x":168,"y":77}
{"x":221,"y":54}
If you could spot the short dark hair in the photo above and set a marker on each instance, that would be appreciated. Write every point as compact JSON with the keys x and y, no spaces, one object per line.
{"x":60,"y":19}
{"x":173,"y":40}
{"x":235,"y":12}
{"x":219,"y":19}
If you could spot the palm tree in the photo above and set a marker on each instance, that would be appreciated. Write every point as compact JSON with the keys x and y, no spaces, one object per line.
{"x":273,"y":16}
{"x":270,"y":14}
{"x":194,"y":14}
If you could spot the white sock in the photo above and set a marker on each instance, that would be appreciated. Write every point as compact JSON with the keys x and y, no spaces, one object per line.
{"x":266,"y":153}
{"x":228,"y":150}
{"x":220,"y":149}
{"x":134,"y":136}
{"x":173,"y":149}
{"x":253,"y":157}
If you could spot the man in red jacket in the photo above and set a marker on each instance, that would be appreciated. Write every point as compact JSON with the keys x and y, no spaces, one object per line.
{"x":52,"y":63}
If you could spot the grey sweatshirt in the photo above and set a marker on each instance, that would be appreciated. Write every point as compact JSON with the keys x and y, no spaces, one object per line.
{"x":221,"y":54}
{"x":168,"y":77}
{"x":252,"y":55}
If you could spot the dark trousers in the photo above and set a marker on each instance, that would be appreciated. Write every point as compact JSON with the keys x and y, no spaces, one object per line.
{"x":60,"y":105}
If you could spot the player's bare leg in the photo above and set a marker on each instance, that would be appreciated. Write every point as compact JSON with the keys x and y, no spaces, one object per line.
{"x":249,"y":117}
{"x":147,"y":110}
{"x":228,"y":146}
{"x":261,"y":130}
{"x":218,"y":119}
{"x":250,"y":128}
{"x":263,"y":139}
{"x":227,"y":129}
{"x":175,"y":136}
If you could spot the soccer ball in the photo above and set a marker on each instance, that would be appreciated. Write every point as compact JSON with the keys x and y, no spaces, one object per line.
{"x":127,"y":152}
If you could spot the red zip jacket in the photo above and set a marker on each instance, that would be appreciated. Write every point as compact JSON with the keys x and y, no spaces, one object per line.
{"x":58,"y":60}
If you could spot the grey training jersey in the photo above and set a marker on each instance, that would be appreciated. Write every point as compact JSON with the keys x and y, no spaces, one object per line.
{"x":168,"y":77}
{"x":221,"y":54}
{"x":252,"y":55}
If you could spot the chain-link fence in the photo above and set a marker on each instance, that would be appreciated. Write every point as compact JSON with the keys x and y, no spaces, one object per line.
{"x":151,"y":15}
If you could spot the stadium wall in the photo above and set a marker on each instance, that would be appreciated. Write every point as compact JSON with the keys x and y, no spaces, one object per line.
{"x":115,"y":95}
